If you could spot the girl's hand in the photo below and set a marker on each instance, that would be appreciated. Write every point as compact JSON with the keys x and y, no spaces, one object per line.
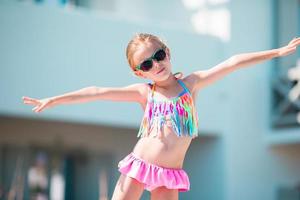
{"x":39,"y":104}
{"x":290,"y":48}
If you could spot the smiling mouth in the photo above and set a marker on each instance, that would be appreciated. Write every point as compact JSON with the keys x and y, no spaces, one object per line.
{"x":160,"y":70}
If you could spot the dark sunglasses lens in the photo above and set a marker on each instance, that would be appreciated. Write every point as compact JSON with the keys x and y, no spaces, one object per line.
{"x":160,"y":55}
{"x":146,"y":65}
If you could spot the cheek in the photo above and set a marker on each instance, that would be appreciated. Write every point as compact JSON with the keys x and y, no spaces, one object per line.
{"x":168,"y":66}
{"x":167,"y":61}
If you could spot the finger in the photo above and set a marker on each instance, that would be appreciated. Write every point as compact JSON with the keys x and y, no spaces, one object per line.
{"x":295,"y":47}
{"x":34,"y":109}
{"x":292,"y":49}
{"x":288,"y":51}
{"x":294,"y":44}
{"x":37,"y":111}
{"x":295,"y":40}
{"x":32,"y":102}
{"x":24,"y":97}
{"x":40,"y":108}
{"x":29,"y":102}
{"x":30,"y":99}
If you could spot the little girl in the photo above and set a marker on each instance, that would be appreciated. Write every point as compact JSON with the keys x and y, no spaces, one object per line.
{"x":170,"y":120}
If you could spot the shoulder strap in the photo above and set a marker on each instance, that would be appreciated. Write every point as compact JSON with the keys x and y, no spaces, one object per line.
{"x":152,"y":86}
{"x":183,"y":85}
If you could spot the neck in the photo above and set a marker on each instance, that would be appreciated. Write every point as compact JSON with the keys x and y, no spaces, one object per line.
{"x":166,"y":84}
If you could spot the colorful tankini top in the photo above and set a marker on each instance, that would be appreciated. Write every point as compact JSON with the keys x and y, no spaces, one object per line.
{"x":180,"y":111}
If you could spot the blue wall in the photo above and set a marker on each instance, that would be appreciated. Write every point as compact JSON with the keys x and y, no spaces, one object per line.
{"x":50,"y":51}
{"x":47,"y":51}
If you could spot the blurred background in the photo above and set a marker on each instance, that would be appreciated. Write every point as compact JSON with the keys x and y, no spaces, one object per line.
{"x":249,"y":144}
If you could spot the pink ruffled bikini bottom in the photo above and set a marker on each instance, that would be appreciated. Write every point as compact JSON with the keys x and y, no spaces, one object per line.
{"x":153,"y":176}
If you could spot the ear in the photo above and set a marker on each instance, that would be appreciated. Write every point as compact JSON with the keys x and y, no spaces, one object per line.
{"x":139,"y":74}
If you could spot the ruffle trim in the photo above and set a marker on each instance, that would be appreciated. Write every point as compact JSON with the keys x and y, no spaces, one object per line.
{"x":182,"y":113}
{"x":154,"y":176}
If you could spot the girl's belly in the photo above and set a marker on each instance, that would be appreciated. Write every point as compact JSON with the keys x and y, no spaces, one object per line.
{"x":166,"y":151}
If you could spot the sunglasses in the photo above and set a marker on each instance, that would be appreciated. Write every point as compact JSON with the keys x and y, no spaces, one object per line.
{"x":147,"y":64}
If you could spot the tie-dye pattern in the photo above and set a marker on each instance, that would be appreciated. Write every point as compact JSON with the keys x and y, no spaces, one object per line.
{"x":180,"y":110}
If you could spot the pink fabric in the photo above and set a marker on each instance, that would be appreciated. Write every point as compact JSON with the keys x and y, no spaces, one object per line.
{"x":154,"y":176}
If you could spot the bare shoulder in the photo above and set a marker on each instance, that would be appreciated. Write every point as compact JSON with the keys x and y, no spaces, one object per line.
{"x":144,"y":89}
{"x":189,"y":81}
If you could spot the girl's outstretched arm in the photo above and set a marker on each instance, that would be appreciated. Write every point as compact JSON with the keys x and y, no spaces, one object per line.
{"x":131,"y":93}
{"x":203,"y":78}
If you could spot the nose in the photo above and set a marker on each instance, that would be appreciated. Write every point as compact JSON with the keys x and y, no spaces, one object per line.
{"x":155,"y":64}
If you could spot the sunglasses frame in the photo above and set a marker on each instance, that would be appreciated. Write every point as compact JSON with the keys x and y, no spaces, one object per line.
{"x":138,"y":67}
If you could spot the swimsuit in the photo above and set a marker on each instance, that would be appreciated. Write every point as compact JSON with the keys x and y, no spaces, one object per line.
{"x":181,"y":113}
{"x":153,"y":176}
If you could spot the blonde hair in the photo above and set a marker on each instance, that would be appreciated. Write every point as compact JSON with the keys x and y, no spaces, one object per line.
{"x":139,"y":39}
{"x":136,"y":41}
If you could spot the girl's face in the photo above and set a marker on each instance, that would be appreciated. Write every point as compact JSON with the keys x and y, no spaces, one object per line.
{"x":161,"y":70}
